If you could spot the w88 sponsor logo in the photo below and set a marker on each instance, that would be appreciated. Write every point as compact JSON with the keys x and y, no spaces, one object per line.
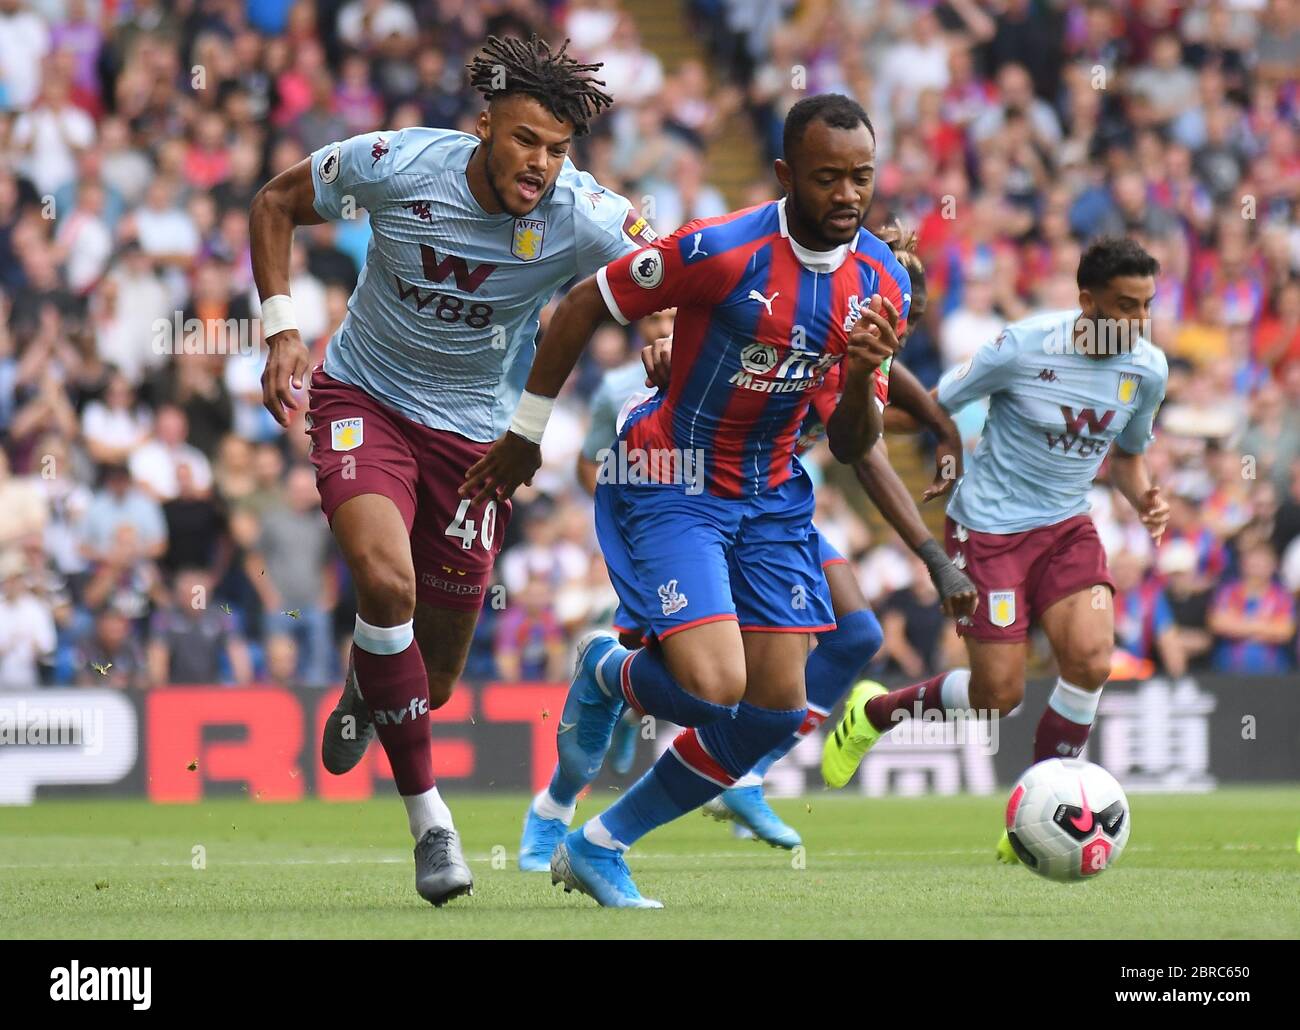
{"x":1071,"y":440}
{"x":449,"y":307}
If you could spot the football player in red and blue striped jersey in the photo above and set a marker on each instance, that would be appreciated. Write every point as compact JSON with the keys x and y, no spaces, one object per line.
{"x":706,"y":517}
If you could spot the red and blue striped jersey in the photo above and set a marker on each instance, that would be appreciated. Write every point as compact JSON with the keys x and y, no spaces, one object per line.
{"x":757,"y":329}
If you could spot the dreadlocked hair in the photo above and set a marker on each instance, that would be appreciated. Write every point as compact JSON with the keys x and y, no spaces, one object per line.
{"x":904,"y":242}
{"x":564,"y":86}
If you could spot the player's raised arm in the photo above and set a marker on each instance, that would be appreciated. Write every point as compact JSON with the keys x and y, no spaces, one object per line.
{"x":856,"y":423}
{"x":984,"y":374}
{"x":1128,"y":465}
{"x":517,"y":454}
{"x":284,"y":203}
{"x":957,"y":595}
{"x":636,"y":285}
{"x":908,"y":395}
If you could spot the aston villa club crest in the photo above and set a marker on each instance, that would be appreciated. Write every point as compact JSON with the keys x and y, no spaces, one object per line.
{"x":527,"y":242}
{"x":1128,"y":386}
{"x":1002,"y":607}
{"x":347,"y":434}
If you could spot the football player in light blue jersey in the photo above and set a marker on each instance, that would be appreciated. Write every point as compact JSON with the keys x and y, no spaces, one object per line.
{"x":471,"y":236}
{"x":1065,"y":390}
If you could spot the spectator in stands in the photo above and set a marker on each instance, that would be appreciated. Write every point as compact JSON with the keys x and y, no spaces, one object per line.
{"x":915,"y":630}
{"x":193,"y":642}
{"x":24,"y":504}
{"x":119,"y":503}
{"x":1253,"y":618}
{"x":1189,"y":601}
{"x":1145,"y":630}
{"x":126,"y":577}
{"x":298,"y":590}
{"x":111,"y":656}
{"x":117,"y":426}
{"x":27,"y":630}
{"x":530,"y":644}
{"x":154,"y":465}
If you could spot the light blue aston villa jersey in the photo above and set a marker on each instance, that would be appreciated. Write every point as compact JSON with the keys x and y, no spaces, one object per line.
{"x":442,"y":325}
{"x":1053,"y":414}
{"x":620,"y":388}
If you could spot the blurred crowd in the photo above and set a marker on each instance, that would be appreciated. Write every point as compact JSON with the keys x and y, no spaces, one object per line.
{"x":165,"y":529}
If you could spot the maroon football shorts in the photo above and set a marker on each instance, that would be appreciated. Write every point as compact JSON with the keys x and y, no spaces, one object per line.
{"x":359,"y":446}
{"x":1019,"y":575}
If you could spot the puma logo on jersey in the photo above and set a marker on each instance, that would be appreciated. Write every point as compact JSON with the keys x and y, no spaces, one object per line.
{"x":765,"y":301}
{"x":697,"y":250}
{"x":669,"y":599}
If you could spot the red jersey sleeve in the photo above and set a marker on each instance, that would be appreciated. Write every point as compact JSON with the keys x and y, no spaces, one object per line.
{"x":661,"y":276}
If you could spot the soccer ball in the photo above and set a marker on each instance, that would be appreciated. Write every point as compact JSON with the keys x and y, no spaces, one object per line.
{"x":1068,"y":819}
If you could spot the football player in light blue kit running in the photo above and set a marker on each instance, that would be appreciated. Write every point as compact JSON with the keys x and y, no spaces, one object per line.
{"x":470,"y":236}
{"x":1065,"y":390}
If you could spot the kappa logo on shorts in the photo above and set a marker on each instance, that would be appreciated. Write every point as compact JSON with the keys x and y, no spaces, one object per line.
{"x":671,"y":601}
{"x":346,"y":434}
{"x":961,"y":533}
{"x":1002,"y":607}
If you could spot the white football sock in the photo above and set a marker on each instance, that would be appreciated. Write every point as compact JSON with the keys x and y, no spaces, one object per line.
{"x":383,"y":640}
{"x":750,"y":779}
{"x":548,"y":808}
{"x":425,"y":811}
{"x":595,"y":832}
{"x":1074,"y":703}
{"x":954,"y":691}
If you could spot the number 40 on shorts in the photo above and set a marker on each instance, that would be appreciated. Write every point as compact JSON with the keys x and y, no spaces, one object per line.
{"x":465,"y":530}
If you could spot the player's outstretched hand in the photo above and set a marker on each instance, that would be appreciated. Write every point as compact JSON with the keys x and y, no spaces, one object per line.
{"x":657,"y":357}
{"x":286,"y":371}
{"x":1154,"y":512}
{"x":947,"y":469}
{"x":958,"y":597}
{"x":509,"y":462}
{"x":873,"y":339}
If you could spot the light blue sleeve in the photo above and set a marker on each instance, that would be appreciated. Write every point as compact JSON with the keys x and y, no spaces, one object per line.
{"x":359,"y":168}
{"x":988,"y":371}
{"x":1138,"y":434}
{"x":605,"y":226}
{"x":602,"y":431}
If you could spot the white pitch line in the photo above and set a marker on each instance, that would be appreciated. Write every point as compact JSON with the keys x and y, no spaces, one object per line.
{"x":651,"y":856}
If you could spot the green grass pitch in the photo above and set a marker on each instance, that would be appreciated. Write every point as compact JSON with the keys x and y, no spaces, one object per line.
{"x":1217,"y":865}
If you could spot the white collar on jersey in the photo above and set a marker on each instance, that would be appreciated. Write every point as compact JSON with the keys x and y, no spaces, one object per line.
{"x":824,"y":261}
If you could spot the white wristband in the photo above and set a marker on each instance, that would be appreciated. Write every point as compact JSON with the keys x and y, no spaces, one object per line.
{"x":277,"y":315}
{"x":531,"y":416}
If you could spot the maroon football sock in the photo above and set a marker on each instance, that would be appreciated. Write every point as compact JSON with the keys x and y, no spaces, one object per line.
{"x":881,"y":709}
{"x":1058,"y":737}
{"x":396,"y":690}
